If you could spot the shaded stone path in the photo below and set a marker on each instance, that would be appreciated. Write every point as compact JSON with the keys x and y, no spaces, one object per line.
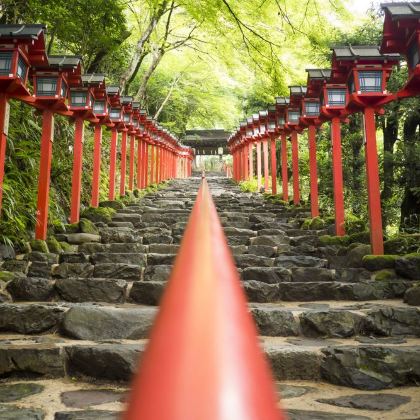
{"x":78,"y":321}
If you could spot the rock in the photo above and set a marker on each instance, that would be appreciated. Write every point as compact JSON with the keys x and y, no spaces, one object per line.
{"x":402,"y":244}
{"x":275,"y":322}
{"x":262,"y":250}
{"x":355,"y":255}
{"x":13,"y":412}
{"x":91,"y":248}
{"x":39,"y":269}
{"x":15,"y":392}
{"x":151,"y":238}
{"x":310,"y":274}
{"x":73,"y":257}
{"x":133,"y":218}
{"x":86,"y":226}
{"x":134,"y":258}
{"x":409,"y":266}
{"x":378,"y":402}
{"x":81,"y":238}
{"x":381,"y":340}
{"x":118,"y":271}
{"x":34,"y":360}
{"x":7,"y":252}
{"x":42,"y":257}
{"x":249,"y":260}
{"x":412,"y":296}
{"x":378,"y":262}
{"x":118,"y":235}
{"x":115,"y":362}
{"x":371,"y":367}
{"x":91,"y":290}
{"x":330,"y":323}
{"x":39,"y":245}
{"x":29,"y":319}
{"x":386,"y":274}
{"x":160,"y":259}
{"x":31,"y":289}
{"x":294,"y":414}
{"x":66,"y":247}
{"x":100,"y":214}
{"x":90,"y":397}
{"x":266,"y":274}
{"x":147,"y":292}
{"x":270,"y":240}
{"x":157,"y":272}
{"x":87,"y":415}
{"x":163,"y":248}
{"x":6,"y":276}
{"x":103,"y":323}
{"x":16,"y":266}
{"x":389,"y":321}
{"x":258,"y":291}
{"x":326,"y":240}
{"x":290,"y":261}
{"x":67,"y":269}
{"x":291,"y":391}
{"x":294,"y":363}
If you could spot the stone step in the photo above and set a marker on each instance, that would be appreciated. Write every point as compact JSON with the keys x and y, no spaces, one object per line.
{"x":342,"y":362}
{"x":102,"y":322}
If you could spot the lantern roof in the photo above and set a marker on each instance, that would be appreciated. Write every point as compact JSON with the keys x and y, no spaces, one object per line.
{"x":92,"y":79}
{"x":315,"y":83}
{"x":406,"y":9}
{"x":112,"y":90}
{"x":282,"y":100}
{"x":135,"y":105}
{"x":32,"y":31}
{"x":361,"y":52}
{"x":297,"y":90}
{"x":64,"y":62}
{"x":126,"y":100}
{"x":318,"y":74}
{"x":271,"y":108}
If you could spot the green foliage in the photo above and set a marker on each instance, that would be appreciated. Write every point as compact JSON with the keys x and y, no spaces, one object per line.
{"x":402,"y":244}
{"x":86,"y":226}
{"x":334,"y":240}
{"x":53,"y":245}
{"x":39,"y":245}
{"x":386,"y":274}
{"x":379,"y":262}
{"x":100,"y":214}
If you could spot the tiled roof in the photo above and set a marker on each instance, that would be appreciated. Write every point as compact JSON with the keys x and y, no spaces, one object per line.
{"x":297,"y":90}
{"x":361,"y":51}
{"x":93,"y":79}
{"x":112,"y":90}
{"x":21,"y":31}
{"x":319,"y":73}
{"x":64,"y":61}
{"x":405,"y":9}
{"x":282,"y":100}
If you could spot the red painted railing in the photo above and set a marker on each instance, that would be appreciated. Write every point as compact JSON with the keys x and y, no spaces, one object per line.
{"x":203,"y":361}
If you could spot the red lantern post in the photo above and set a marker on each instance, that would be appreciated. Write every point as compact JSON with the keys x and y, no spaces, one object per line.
{"x":272,"y":132}
{"x":281,"y":107}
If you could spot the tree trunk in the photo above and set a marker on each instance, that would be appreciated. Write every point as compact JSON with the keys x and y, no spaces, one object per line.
{"x":157,"y":56}
{"x":410,"y":206}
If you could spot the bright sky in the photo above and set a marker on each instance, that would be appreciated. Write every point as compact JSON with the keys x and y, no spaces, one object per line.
{"x":359,"y":7}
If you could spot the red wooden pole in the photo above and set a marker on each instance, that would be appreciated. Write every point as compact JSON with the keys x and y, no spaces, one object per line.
{"x":273,"y":166}
{"x":4,"y":127}
{"x":123,"y":168}
{"x":295,"y":167}
{"x":372,"y":172}
{"x":313,"y":175}
{"x":131,"y":163}
{"x":94,"y":202}
{"x":266,"y":171}
{"x":251,"y":160}
{"x":139,"y":181}
{"x":246,"y":161}
{"x":47,"y":137}
{"x":215,"y":369}
{"x":337,"y":176}
{"x":76,"y":181}
{"x":157,"y":164}
{"x":152,"y":164}
{"x":146,"y":165}
{"x":112,"y":163}
{"x":258,"y":166}
{"x":284,"y":174}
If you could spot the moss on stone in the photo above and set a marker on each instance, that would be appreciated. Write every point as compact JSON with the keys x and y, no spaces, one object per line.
{"x":87,"y":226}
{"x":378,"y":262}
{"x":65,"y":246}
{"x":54,"y":246}
{"x":306,"y":224}
{"x":402,"y":244}
{"x":334,"y":240}
{"x":59,"y":227}
{"x":353,"y":224}
{"x":6,"y":276}
{"x":71,"y":228}
{"x":386,"y":274}
{"x":317,"y":223}
{"x":99,"y":214}
{"x":360,"y":237}
{"x":39,"y":245}
{"x":113,"y":204}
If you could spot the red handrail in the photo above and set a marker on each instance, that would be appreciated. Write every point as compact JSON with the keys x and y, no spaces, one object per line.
{"x":203,"y":360}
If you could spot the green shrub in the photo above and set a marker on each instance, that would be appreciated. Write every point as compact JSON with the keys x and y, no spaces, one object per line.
{"x":353,"y":224}
{"x":87,"y":226}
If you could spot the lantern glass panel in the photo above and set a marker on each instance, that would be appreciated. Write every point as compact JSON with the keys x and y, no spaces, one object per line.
{"x":46,"y":86}
{"x":141,"y":128}
{"x":312,"y":109}
{"x":281,"y":121}
{"x":370,"y":81}
{"x":115,"y":114}
{"x":63,"y":89}
{"x":271,"y":125}
{"x":78,"y":98}
{"x":413,"y":55}
{"x":22,"y":68}
{"x":293,"y":117}
{"x":256,"y":131}
{"x":350,"y":85}
{"x":126,"y":118}
{"x":262,"y":128}
{"x":249,"y":132}
{"x":5,"y":62}
{"x":336,"y":97}
{"x":99,"y":107}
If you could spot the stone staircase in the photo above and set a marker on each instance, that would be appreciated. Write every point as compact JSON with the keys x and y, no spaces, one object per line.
{"x":73,"y":325}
